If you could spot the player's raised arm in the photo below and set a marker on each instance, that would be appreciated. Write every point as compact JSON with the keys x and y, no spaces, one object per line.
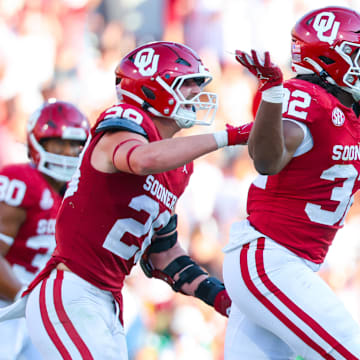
{"x":272,"y":142}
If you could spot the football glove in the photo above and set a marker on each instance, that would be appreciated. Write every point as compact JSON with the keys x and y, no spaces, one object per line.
{"x":222,"y":303}
{"x":269,"y":74}
{"x":238,"y":135}
{"x":233,"y":135}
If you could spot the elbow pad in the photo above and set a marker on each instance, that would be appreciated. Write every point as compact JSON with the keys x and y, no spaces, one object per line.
{"x":161,"y":244}
{"x":188,"y":271}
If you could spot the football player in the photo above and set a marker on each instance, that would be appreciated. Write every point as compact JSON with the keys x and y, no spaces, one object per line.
{"x":30,"y":196}
{"x":119,"y":208}
{"x":305,"y":146}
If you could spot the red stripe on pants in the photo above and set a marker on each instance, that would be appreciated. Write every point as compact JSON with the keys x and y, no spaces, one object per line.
{"x":320,"y":331}
{"x":49,"y":326}
{"x":65,"y":320}
{"x":271,"y":307}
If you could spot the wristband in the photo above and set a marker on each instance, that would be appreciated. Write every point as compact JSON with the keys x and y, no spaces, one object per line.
{"x":208,"y":290}
{"x":7,"y":239}
{"x":274,"y":95}
{"x":221,"y":138}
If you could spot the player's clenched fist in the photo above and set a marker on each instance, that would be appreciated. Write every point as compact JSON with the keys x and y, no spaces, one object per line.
{"x":233,"y":135}
{"x":238,"y":135}
{"x":222,"y":303}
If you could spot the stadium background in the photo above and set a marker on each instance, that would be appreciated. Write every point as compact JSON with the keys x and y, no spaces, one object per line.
{"x":68,"y":49}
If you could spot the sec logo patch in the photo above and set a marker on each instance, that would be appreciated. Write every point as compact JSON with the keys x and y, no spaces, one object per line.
{"x":338,"y":117}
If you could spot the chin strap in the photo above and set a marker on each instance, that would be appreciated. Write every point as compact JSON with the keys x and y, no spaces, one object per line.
{"x":185,"y":118}
{"x":325,"y":76}
{"x":322,"y":73}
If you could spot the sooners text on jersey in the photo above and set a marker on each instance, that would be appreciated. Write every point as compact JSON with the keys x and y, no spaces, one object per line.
{"x":101,"y":234}
{"x":304,"y":205}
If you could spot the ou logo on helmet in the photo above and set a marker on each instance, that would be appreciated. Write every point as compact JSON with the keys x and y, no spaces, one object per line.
{"x":146,"y":61}
{"x":324,"y":22}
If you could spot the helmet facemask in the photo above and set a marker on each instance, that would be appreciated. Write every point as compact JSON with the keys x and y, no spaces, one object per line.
{"x":198,"y":110}
{"x":56,"y":120}
{"x":350,"y":52}
{"x":327,"y":42}
{"x":58,"y":167}
{"x":202,"y":109}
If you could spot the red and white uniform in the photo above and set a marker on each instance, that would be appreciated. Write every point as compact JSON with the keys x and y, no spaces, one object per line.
{"x":293,"y":218}
{"x":23,"y":186}
{"x":317,"y":186}
{"x":105,"y":223}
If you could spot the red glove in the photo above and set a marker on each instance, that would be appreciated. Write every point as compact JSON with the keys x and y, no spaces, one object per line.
{"x":268,"y":73}
{"x":222,"y":303}
{"x":238,"y":135}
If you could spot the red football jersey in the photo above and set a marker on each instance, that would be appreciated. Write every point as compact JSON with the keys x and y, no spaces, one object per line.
{"x":107,"y":220}
{"x":24,"y":186}
{"x":304,"y":205}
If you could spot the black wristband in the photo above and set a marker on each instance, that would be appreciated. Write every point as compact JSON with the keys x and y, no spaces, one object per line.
{"x":187,"y":276}
{"x":177,"y":265}
{"x":208,"y":289}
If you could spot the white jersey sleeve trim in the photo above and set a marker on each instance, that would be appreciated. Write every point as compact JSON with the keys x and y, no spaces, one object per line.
{"x":6,"y":239}
{"x":307,"y":143}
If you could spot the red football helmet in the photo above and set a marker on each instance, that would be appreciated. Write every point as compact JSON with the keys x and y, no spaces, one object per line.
{"x":61,"y":120}
{"x":327,"y":41}
{"x":151,"y":76}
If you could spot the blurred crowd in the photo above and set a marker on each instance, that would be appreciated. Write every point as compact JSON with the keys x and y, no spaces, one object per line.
{"x":68,"y":49}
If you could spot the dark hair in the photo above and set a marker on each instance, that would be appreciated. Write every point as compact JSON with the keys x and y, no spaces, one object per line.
{"x":330,"y":88}
{"x":318,"y":80}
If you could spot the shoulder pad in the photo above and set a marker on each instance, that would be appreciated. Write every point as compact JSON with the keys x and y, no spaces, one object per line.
{"x":119,"y":124}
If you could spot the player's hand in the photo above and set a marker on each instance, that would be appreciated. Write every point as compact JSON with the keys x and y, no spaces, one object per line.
{"x":222,"y":303}
{"x":238,"y":135}
{"x":268,"y":73}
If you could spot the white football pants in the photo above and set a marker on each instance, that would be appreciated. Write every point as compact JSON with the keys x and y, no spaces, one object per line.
{"x":15,"y":343}
{"x":282,"y":308}
{"x":70,"y":319}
